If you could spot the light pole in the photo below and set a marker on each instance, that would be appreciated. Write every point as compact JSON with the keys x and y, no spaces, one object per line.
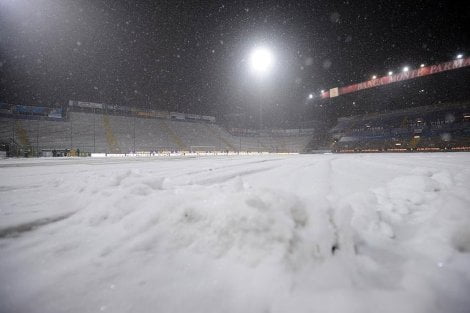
{"x":133,"y":136}
{"x":94,"y":131}
{"x":37,"y":139}
{"x":261,"y":62}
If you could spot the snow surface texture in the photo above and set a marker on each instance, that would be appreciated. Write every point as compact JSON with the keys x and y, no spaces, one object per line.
{"x":308,"y":233}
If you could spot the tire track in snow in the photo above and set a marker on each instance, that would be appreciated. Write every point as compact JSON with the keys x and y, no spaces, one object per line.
{"x":228,"y":166}
{"x":14,"y":231}
{"x":225,"y":178}
{"x":331,"y":209}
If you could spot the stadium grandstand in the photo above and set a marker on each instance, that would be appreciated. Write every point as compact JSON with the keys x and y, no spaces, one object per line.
{"x":84,"y":128}
{"x":408,"y":111}
{"x":422,"y":109}
{"x":428,"y":128}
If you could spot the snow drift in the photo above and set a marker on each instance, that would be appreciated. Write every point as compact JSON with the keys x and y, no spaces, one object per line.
{"x":316,"y":233}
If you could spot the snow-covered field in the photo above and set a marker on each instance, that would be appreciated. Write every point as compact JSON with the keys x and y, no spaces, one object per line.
{"x":307,"y":233}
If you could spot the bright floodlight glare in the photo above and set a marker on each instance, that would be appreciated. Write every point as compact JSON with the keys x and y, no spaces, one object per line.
{"x":374,"y":76}
{"x":390,"y":73}
{"x":406,"y":69}
{"x":261,"y":60}
{"x":310,"y":96}
{"x":322,"y":91}
{"x":459,"y":56}
{"x":422,"y":65}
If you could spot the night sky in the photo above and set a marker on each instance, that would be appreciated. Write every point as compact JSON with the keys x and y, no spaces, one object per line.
{"x":191,"y":56}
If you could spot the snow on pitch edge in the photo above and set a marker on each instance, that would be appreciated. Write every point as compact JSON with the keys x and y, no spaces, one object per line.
{"x":322,"y":233}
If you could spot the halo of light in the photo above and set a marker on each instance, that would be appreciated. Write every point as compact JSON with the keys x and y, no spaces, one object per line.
{"x":261,"y":60}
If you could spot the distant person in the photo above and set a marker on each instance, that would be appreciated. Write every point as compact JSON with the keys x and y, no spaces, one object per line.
{"x":78,"y":152}
{"x":54,"y":153}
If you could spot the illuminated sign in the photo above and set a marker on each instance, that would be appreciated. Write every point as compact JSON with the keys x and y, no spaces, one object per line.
{"x":385,"y":80}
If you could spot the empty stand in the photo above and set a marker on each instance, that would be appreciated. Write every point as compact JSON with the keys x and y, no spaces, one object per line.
{"x":104,"y":133}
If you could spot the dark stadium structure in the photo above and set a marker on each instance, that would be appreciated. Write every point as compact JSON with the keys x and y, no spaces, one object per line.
{"x":429,"y":113}
{"x":436,"y":127}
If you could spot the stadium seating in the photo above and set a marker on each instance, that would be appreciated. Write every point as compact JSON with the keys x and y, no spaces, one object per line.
{"x":102,"y":133}
{"x":437,"y":127}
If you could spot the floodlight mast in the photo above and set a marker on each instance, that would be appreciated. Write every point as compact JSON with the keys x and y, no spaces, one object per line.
{"x":261,"y":61}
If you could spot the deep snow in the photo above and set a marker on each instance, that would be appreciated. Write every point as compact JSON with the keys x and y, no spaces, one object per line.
{"x":307,"y":233}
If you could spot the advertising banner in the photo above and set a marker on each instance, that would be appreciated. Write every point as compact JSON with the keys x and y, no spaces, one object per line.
{"x":5,"y":108}
{"x":177,"y":116}
{"x":145,"y":113}
{"x":90,"y":105}
{"x":123,"y":108}
{"x":30,"y":110}
{"x":162,"y":114}
{"x":208,"y":118}
{"x":21,"y":109}
{"x":55,"y":113}
{"x":193,"y":116}
{"x":39,"y":111}
{"x":385,"y":80}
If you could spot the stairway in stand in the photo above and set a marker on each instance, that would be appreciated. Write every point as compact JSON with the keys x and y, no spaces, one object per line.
{"x":113,"y":146}
{"x":174,"y":137}
{"x":222,"y":139}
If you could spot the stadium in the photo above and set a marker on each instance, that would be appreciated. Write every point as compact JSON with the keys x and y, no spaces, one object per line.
{"x":97,"y":128}
{"x":180,"y":157}
{"x":424,"y":114}
{"x":94,"y":128}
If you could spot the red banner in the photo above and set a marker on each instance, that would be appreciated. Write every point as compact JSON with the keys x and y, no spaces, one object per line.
{"x":380,"y":81}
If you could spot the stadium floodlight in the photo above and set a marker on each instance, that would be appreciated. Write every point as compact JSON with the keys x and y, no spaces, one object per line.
{"x":406,"y":69}
{"x":310,"y":96}
{"x":322,"y":91}
{"x":422,"y":65}
{"x":390,"y":73}
{"x":459,"y":56}
{"x":261,"y":60}
{"x":374,"y":76}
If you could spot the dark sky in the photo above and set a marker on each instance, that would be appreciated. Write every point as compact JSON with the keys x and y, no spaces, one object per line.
{"x":192,"y":55}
